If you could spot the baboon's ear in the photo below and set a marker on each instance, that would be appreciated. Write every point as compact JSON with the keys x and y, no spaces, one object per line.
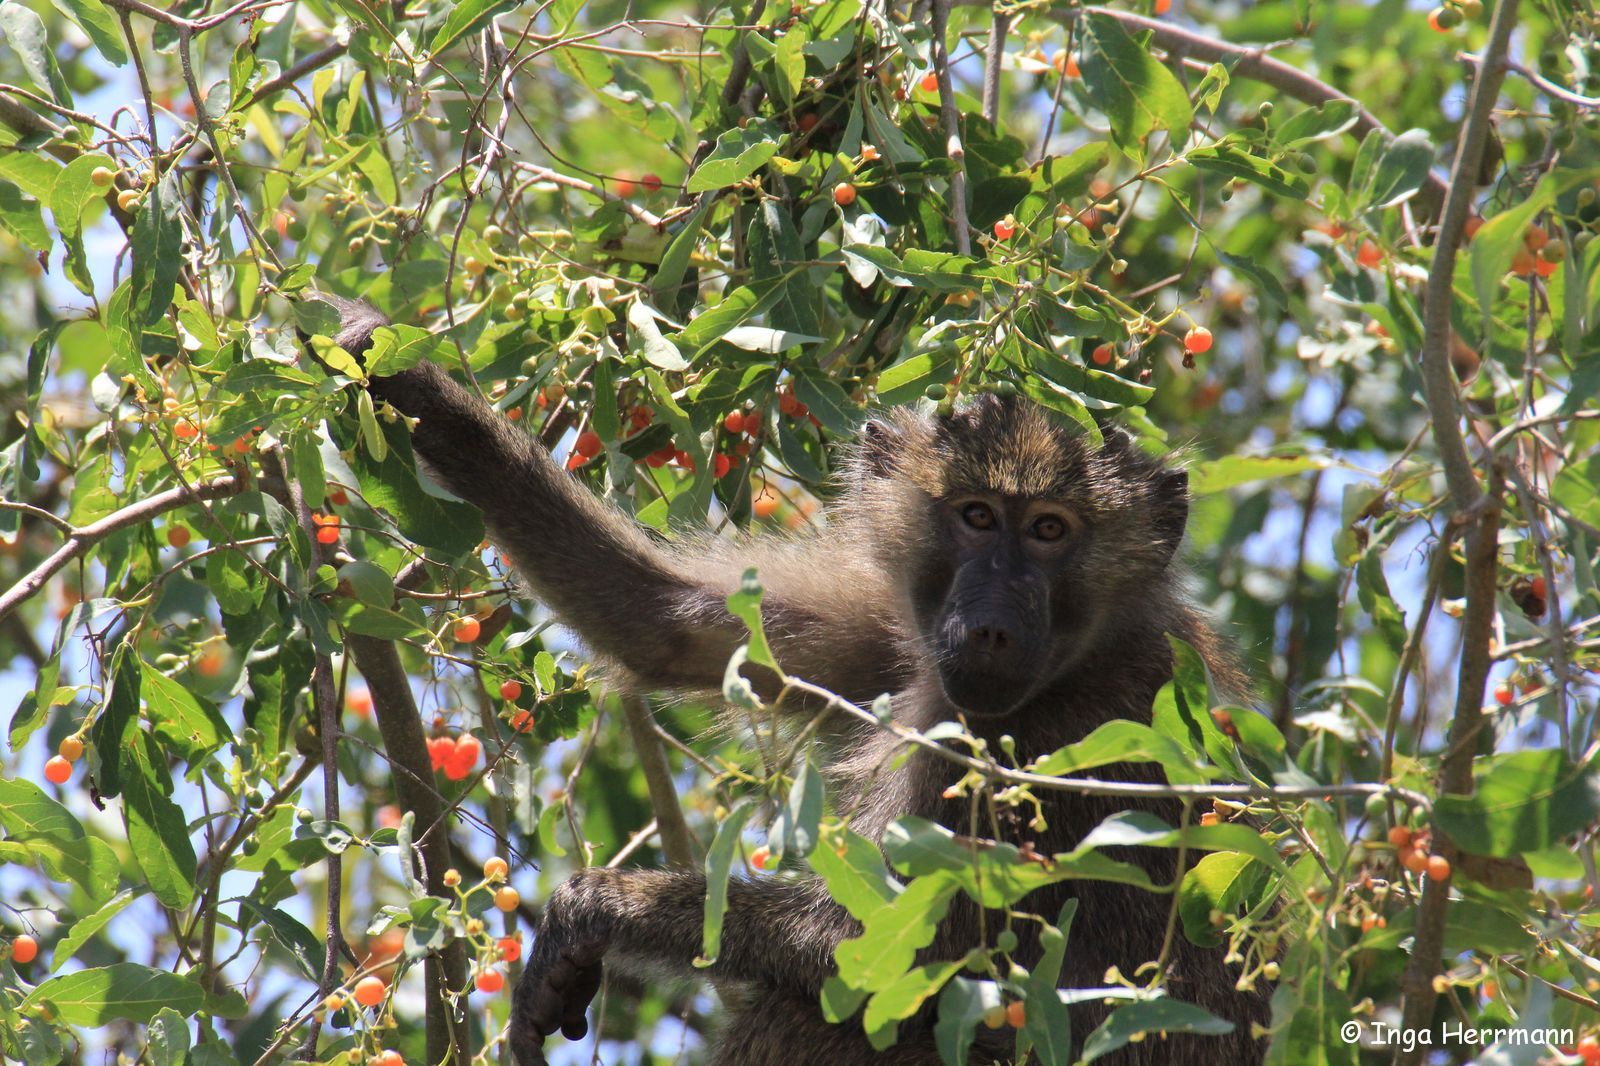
{"x":1171,"y":506}
{"x":880,"y":444}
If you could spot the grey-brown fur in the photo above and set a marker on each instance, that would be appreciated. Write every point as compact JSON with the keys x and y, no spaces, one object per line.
{"x":847,"y":608}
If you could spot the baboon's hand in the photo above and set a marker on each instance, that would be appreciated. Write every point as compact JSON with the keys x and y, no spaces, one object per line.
{"x":564,"y":969}
{"x":555,"y":991}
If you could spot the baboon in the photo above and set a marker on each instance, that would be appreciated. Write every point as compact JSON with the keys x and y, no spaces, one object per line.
{"x":987,"y":563}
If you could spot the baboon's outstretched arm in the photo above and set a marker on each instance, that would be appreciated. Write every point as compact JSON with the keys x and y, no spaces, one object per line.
{"x":778,"y":935}
{"x":659,"y":612}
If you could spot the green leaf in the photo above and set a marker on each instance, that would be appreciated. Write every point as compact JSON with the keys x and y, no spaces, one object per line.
{"x":112,"y":734}
{"x":894,"y":933}
{"x":26,"y":39}
{"x":646,"y":338}
{"x":1522,"y":801}
{"x":396,"y":347}
{"x":391,"y":485}
{"x":157,"y":243}
{"x":1500,"y":238}
{"x":853,"y":869}
{"x":1140,"y":828}
{"x":1047,"y":1027}
{"x":167,"y":1039}
{"x":906,"y":994}
{"x":84,"y":929}
{"x":738,"y":154}
{"x":1233,"y":160}
{"x":1216,"y":883}
{"x":1137,"y":93}
{"x":158,"y":834}
{"x":719,"y":864}
{"x":124,"y":991}
{"x":192,"y":726}
{"x":88,"y":863}
{"x":745,"y":605}
{"x":1317,"y":123}
{"x":1123,"y":741}
{"x":1164,"y":1015}
{"x":302,"y":945}
{"x":1401,"y":171}
{"x":465,"y":18}
{"x":935,"y":271}
{"x":798,"y":823}
{"x":962,"y":1005}
{"x":1216,"y":475}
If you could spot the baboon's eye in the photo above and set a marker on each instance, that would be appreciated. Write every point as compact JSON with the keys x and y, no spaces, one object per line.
{"x":978,"y":515}
{"x":1049,"y":527}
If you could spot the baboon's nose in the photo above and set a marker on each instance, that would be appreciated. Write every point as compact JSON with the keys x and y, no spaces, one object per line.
{"x":988,"y":640}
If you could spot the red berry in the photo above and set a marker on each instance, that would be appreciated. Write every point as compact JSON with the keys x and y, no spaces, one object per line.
{"x":338,"y":498}
{"x":1537,"y":586}
{"x":1163,"y":6}
{"x":466,"y":630}
{"x":57,"y":770}
{"x":588,"y":444}
{"x":439,"y":751}
{"x":1016,"y":1013}
{"x":490,"y":981}
{"x":359,"y":701}
{"x":1103,"y":354}
{"x":930,"y":82}
{"x":734,"y":423}
{"x":510,"y":690}
{"x":522,"y":721}
{"x":626,"y":188}
{"x":1369,"y":254}
{"x":24,"y":949}
{"x":683,"y":459}
{"x":651,"y":182}
{"x":328,"y":535}
{"x":510,"y":948}
{"x":844,"y":194}
{"x":1503,"y":694}
{"x":1197,"y":340}
{"x":1005,"y":229}
{"x":721,"y":465}
{"x":369,"y":991}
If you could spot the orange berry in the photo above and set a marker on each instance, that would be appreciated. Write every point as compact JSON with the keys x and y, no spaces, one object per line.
{"x":57,"y":770}
{"x":734,"y":423}
{"x":510,"y":689}
{"x":869,"y":153}
{"x":626,"y":188}
{"x":495,"y":868}
{"x":844,"y":194}
{"x":464,"y":758}
{"x":1210,"y":818}
{"x":507,"y":899}
{"x":466,"y":630}
{"x":328,"y":535}
{"x":339,"y":498}
{"x":1534,"y":238}
{"x":1474,"y":224}
{"x":185,"y":430}
{"x":71,"y":748}
{"x":929,"y":82}
{"x":1414,"y":859}
{"x":1523,"y":263}
{"x":1371,"y":922}
{"x":1163,"y":6}
{"x":651,"y":182}
{"x":359,"y":701}
{"x":490,"y":981}
{"x":588,"y":444}
{"x":1400,"y":836}
{"x":1066,"y":64}
{"x":1369,"y":254}
{"x":1438,"y":868}
{"x":522,"y":721}
{"x":1545,"y":267}
{"x":179,"y":536}
{"x":1197,"y":340}
{"x":1016,"y":1014}
{"x":765,"y":505}
{"x":390,"y":1057}
{"x":574,"y":461}
{"x":24,"y":949}
{"x":1103,"y":354}
{"x":1005,"y":229}
{"x":439,"y":751}
{"x":762,"y":858}
{"x":369,"y":991}
{"x":510,"y":948}
{"x":1504,"y":694}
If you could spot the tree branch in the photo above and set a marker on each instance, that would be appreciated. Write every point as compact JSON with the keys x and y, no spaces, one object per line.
{"x":950,"y":118}
{"x":676,"y":843}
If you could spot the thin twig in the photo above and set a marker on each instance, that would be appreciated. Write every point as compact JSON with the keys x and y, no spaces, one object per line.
{"x":950,"y":118}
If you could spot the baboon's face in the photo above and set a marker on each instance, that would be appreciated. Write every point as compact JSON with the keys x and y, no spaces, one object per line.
{"x":1028,"y":547}
{"x":992,"y":634}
